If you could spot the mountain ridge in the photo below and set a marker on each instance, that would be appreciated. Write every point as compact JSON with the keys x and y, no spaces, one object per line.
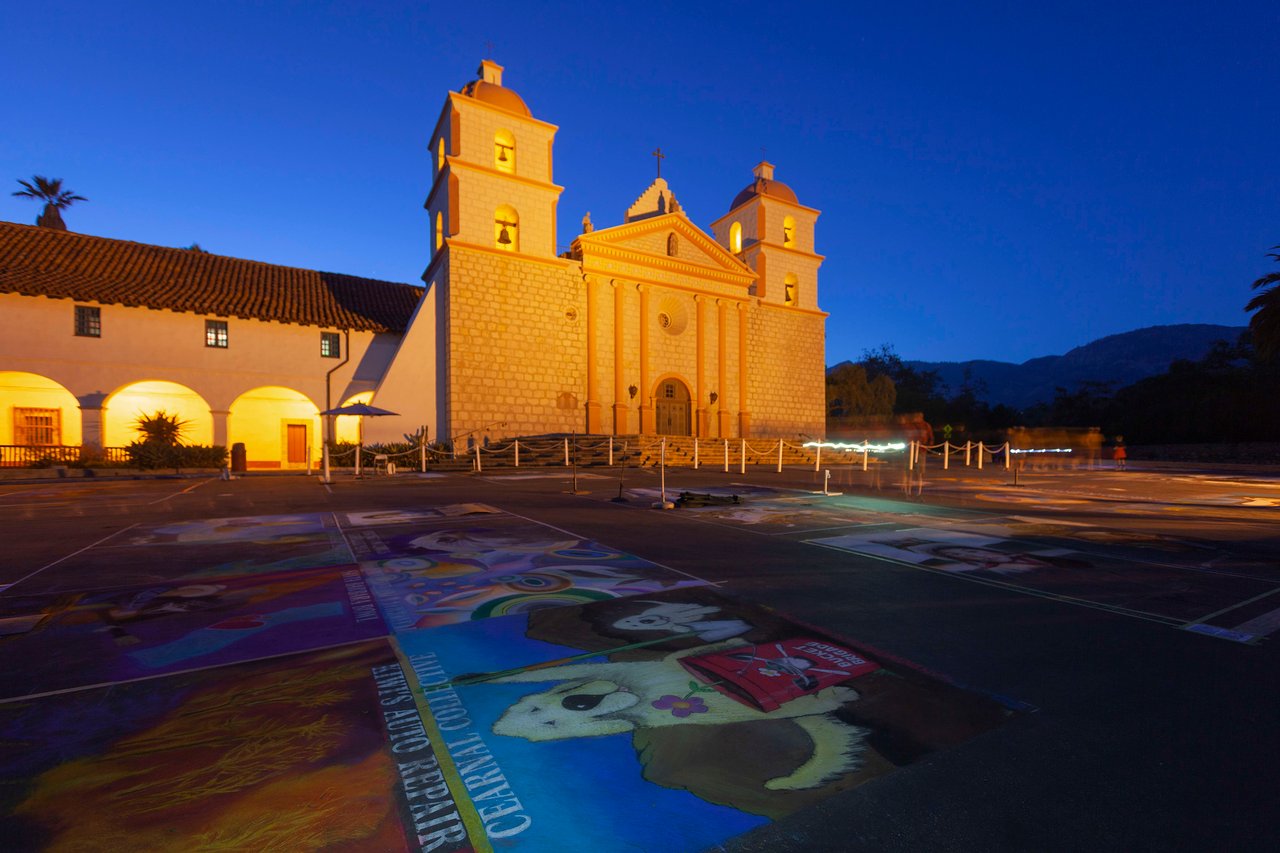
{"x":1119,"y":359}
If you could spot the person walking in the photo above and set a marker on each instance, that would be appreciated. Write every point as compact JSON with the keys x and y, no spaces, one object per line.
{"x":1119,"y":454}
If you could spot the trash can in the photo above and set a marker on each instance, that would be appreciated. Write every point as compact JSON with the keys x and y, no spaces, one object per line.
{"x":239,"y":459}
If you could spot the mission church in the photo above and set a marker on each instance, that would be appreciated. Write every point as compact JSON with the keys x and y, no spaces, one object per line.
{"x":651,"y":326}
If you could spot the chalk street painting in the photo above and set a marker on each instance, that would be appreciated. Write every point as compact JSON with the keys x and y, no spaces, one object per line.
{"x":477,"y":572}
{"x":259,"y":528}
{"x":716,"y":715}
{"x":201,"y":549}
{"x":384,"y":517}
{"x":91,"y":637}
{"x":320,"y":750}
{"x":1170,"y":593}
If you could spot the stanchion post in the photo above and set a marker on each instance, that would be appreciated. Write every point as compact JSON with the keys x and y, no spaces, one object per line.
{"x":979,"y":455}
{"x":324,"y":455}
{"x":779,"y":456}
{"x":566,"y":453}
{"x":422,"y":452}
{"x":478,"y":467}
{"x":967,"y":445}
{"x":695,"y":453}
{"x":610,"y":451}
{"x":817,"y":461}
{"x":726,"y":456}
{"x":866,"y":453}
{"x":517,"y":452}
{"x":1006,"y":456}
{"x":742,"y":461}
{"x":946,"y":455}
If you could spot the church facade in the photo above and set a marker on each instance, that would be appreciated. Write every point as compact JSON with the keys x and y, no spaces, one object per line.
{"x":650,"y":326}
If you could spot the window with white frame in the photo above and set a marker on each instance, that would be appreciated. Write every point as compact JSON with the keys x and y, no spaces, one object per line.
{"x":215,"y":333}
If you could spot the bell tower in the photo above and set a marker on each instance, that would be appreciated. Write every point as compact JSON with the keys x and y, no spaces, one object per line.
{"x":492,"y":186}
{"x":773,"y":233}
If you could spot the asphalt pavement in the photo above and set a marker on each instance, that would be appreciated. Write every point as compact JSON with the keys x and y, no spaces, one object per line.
{"x":1126,"y":620}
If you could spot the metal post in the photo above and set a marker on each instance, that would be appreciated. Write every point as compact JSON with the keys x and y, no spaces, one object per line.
{"x":826,"y":482}
{"x":662,"y":467}
{"x":817,"y":462}
{"x":1006,"y":456}
{"x":779,"y":456}
{"x":726,"y":456}
{"x":324,"y":455}
{"x":359,"y":452}
{"x":517,"y":452}
{"x":742,"y":463}
{"x":967,"y":445}
{"x":979,"y":455}
{"x":478,"y":467}
{"x":422,"y":451}
{"x":695,"y":453}
{"x":610,"y":451}
{"x":566,"y":453}
{"x":946,"y":455}
{"x":866,"y":452}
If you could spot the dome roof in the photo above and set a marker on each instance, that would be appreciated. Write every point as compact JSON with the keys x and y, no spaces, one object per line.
{"x":499,"y":96}
{"x":761,"y":186}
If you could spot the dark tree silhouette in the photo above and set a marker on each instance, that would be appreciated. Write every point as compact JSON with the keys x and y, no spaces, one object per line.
{"x":55,"y":198}
{"x":1265,"y":324}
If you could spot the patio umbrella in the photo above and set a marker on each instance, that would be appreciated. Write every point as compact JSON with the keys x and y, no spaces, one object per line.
{"x":360,"y":410}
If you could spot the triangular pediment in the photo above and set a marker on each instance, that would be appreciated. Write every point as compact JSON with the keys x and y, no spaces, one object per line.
{"x":649,"y":239}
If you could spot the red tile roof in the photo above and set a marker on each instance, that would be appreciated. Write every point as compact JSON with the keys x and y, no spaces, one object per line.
{"x":38,"y":261}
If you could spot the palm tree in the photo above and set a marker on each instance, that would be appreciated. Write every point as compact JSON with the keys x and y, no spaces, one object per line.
{"x":55,"y":198}
{"x":1265,"y":325}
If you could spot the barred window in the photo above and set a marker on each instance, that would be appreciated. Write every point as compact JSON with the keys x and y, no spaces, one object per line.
{"x":215,"y":333}
{"x":88,"y":321}
{"x":37,"y":426}
{"x":330,"y":345}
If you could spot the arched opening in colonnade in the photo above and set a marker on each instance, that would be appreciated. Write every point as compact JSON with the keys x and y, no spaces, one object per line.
{"x":37,"y":411}
{"x":279,"y":427}
{"x":123,"y":408}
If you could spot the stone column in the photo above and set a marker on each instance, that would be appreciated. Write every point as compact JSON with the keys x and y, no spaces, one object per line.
{"x":91,"y":421}
{"x":723,"y":417}
{"x":220,"y":420}
{"x":647,"y":424}
{"x":594,"y":426}
{"x":620,"y":411}
{"x":744,"y":414}
{"x":700,"y":405}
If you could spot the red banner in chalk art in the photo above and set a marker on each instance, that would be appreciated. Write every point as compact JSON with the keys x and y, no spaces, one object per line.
{"x":768,"y":675}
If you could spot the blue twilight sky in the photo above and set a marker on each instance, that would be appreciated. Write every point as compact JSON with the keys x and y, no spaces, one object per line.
{"x":997,"y":180}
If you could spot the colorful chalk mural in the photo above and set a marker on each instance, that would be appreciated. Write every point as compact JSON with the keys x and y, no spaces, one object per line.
{"x":1171,"y":593}
{"x":135,"y":632}
{"x":651,"y":700}
{"x":525,"y":690}
{"x":427,"y":576}
{"x":284,"y":754}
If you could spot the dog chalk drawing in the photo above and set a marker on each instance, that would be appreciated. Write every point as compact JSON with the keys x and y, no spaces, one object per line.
{"x":683,"y":618}
{"x":629,"y":696}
